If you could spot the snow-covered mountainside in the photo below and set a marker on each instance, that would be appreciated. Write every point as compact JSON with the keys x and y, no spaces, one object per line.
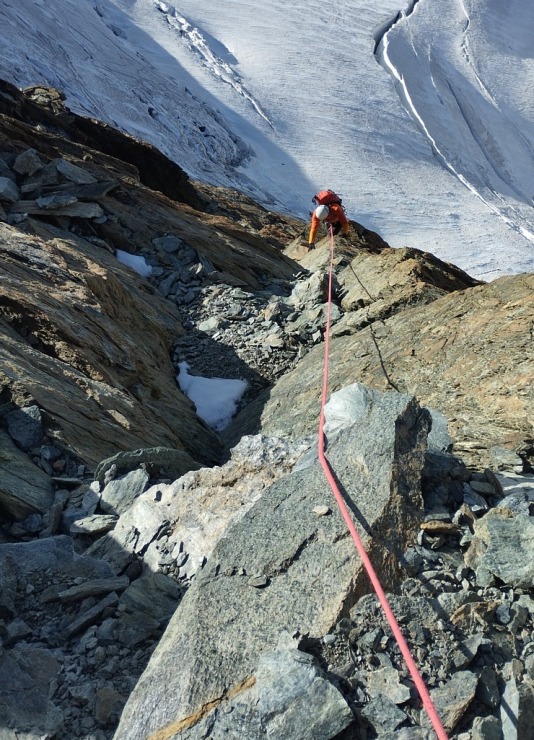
{"x":417,"y":113}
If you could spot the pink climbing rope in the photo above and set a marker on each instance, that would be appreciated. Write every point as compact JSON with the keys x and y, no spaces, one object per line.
{"x":405,"y":650}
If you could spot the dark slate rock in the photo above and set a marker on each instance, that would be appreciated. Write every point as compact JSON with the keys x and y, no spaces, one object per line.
{"x":134,"y":629}
{"x":153,"y":594}
{"x":383,"y":714}
{"x":17,"y":630}
{"x":119,"y":494}
{"x":74,"y":173}
{"x":8,"y":190}
{"x":94,"y":587}
{"x":173,"y":463}
{"x":51,"y":202}
{"x":486,"y":728}
{"x":488,"y":688}
{"x":441,"y":487}
{"x":27,"y":163}
{"x":168,"y":243}
{"x":24,"y":488}
{"x":8,"y":586}
{"x":25,"y":677}
{"x":51,"y":554}
{"x":90,"y":616}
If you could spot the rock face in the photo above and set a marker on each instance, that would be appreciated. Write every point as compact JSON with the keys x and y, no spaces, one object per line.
{"x":90,"y":348}
{"x":133,"y":535}
{"x":283,"y":569}
{"x":92,"y":336}
{"x":44,"y":106}
{"x":468,"y":353}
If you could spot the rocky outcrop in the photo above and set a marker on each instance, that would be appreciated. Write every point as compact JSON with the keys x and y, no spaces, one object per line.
{"x":44,"y":107}
{"x":263,"y":630}
{"x":24,"y":488}
{"x":90,"y":343}
{"x":101,"y":614}
{"x":300,"y":575}
{"x":90,"y":348}
{"x":417,"y":325}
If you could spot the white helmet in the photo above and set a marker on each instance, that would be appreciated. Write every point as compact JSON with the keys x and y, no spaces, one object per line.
{"x":322,"y":212}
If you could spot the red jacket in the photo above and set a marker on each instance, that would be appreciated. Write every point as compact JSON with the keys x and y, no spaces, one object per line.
{"x":336,"y":214}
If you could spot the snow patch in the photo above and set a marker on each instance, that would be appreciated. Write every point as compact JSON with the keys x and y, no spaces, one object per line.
{"x":215,"y":399}
{"x":134,"y":261}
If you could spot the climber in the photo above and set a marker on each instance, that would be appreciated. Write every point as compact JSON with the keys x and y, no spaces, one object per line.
{"x":333,"y":215}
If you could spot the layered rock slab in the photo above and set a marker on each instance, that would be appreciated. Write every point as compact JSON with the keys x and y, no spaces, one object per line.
{"x":283,"y":569}
{"x":24,"y":488}
{"x":85,"y":341}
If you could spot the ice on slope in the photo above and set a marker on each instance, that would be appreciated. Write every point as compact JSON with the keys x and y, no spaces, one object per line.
{"x":198,"y":90}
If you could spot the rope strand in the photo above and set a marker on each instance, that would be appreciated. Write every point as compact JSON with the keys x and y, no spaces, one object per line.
{"x":403,"y":645}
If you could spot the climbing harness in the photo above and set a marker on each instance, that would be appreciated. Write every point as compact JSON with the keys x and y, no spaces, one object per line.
{"x":403,"y":645}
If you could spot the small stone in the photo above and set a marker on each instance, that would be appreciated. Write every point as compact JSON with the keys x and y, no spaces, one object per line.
{"x":74,"y":173}
{"x":108,"y":705}
{"x":435,"y":527}
{"x":494,"y":481}
{"x":329,"y":639}
{"x":259,"y":581}
{"x":8,"y":190}
{"x":383,"y":714}
{"x":322,"y":510}
{"x":55,"y":201}
{"x":483,"y":487}
{"x":87,"y":723}
{"x":95,"y":524}
{"x":27,"y":163}
{"x":486,"y":728}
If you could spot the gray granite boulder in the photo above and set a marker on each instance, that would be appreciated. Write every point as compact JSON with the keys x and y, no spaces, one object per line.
{"x":283,"y":569}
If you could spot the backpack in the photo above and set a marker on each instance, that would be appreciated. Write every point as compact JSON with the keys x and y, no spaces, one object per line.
{"x":326,"y":198}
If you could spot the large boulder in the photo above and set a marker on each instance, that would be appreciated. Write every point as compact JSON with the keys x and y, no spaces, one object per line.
{"x":283,"y":568}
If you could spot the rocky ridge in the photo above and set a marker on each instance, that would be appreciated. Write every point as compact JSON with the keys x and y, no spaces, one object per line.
{"x":128,"y":525}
